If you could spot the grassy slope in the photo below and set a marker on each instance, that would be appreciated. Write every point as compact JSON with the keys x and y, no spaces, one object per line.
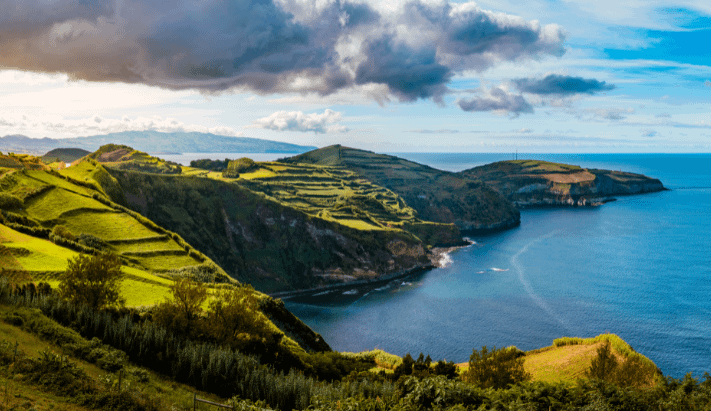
{"x":569,"y":358}
{"x":60,"y":202}
{"x":260,"y":240}
{"x":24,"y":395}
{"x":524,"y":180}
{"x":437,"y":195}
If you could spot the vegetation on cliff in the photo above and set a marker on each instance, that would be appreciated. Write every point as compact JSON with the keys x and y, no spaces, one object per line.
{"x":533,"y":182}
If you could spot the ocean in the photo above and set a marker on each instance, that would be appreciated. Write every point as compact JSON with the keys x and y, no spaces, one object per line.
{"x":638,"y":267}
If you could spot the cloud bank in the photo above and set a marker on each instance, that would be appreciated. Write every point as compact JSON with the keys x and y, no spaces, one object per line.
{"x":327,"y":122}
{"x":561,"y":85}
{"x":267,"y":46}
{"x":497,"y":100}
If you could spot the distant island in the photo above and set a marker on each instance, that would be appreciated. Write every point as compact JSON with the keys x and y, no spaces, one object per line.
{"x":153,"y":142}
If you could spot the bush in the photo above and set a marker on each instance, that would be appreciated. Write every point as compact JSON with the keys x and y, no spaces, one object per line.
{"x":9,"y":201}
{"x":93,"y":280}
{"x":63,"y":232}
{"x":92,"y":241}
{"x":242,"y":165}
{"x":497,"y":368}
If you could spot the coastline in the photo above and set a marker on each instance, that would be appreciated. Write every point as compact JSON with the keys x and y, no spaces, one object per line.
{"x":439,"y":258}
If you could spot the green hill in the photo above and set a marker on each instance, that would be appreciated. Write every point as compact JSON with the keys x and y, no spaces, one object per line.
{"x":536,"y":183}
{"x":436,"y":195}
{"x":64,"y":155}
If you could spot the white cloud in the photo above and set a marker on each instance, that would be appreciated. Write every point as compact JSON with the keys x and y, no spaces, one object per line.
{"x":327,"y":122}
{"x":56,"y":126}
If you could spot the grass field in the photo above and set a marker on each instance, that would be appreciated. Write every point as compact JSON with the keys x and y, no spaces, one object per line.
{"x":331,"y":193}
{"x":57,"y":201}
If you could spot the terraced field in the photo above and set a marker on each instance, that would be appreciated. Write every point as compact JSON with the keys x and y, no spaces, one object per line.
{"x":51,"y":200}
{"x":330,"y":193}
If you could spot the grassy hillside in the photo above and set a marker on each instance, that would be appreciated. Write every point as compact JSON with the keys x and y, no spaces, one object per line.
{"x":436,"y":195}
{"x":123,"y":157}
{"x":342,"y":196}
{"x":78,"y":215}
{"x":261,"y":241}
{"x":534,"y":182}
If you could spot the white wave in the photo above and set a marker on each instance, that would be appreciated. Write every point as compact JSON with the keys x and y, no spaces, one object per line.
{"x":405,"y":284}
{"x":527,"y":286}
{"x":350,"y":292}
{"x":445,"y":260}
{"x":480,"y":272}
{"x":499,"y":269}
{"x":321,"y":293}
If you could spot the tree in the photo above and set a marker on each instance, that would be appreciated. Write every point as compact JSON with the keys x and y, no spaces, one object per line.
{"x":236,"y":311}
{"x":93,"y":280}
{"x":604,"y":365}
{"x":496,"y":368}
{"x":180,"y":313}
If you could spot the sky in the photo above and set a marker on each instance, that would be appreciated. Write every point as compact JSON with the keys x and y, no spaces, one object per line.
{"x":540,"y":76}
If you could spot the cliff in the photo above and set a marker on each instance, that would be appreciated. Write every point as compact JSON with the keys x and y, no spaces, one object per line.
{"x":531,"y":183}
{"x":436,"y":195}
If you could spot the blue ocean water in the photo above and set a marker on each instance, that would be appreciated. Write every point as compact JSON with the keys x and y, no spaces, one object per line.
{"x":638,"y":267}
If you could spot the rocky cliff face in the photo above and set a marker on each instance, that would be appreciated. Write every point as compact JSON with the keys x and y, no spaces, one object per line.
{"x":529,"y":183}
{"x":261,"y":242}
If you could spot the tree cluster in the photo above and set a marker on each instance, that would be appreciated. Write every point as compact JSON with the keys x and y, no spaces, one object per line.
{"x":629,"y":372}
{"x":422,"y":367}
{"x":496,"y":368}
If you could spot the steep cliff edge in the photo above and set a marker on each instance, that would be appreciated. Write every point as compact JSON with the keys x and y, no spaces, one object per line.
{"x":259,"y":241}
{"x":436,"y":195}
{"x":531,"y":183}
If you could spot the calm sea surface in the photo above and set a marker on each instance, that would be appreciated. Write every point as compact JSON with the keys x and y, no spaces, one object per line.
{"x":638,"y":267}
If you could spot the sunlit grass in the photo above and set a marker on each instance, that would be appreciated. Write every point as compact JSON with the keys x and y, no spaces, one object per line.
{"x":53,"y":203}
{"x":108,"y":226}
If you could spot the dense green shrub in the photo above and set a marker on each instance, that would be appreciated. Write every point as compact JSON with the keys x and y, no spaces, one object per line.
{"x":496,"y":368}
{"x":242,"y":165}
{"x":93,"y":280}
{"x":9,"y":201}
{"x":211,"y":165}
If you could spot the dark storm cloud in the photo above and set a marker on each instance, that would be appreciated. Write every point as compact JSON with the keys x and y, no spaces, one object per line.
{"x":561,"y":85}
{"x":268,"y":46}
{"x":497,"y":99}
{"x":409,"y":74}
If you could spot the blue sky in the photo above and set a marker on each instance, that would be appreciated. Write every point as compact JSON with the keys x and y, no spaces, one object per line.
{"x":491,"y":76}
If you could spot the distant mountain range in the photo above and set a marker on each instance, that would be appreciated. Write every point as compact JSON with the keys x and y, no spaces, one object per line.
{"x":153,"y":142}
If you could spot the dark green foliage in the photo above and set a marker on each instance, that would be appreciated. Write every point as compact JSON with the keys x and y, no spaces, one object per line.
{"x":93,"y":280}
{"x":446,"y":368}
{"x":496,"y":368}
{"x":604,"y":364}
{"x":211,"y":165}
{"x":63,"y":232}
{"x":242,"y":165}
{"x":422,"y":367}
{"x":333,"y":366}
{"x":631,"y":372}
{"x":9,"y":201}
{"x":439,"y":392}
{"x":92,"y":241}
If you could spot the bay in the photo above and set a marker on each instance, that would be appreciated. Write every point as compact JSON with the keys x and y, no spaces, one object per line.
{"x":638,"y":267}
